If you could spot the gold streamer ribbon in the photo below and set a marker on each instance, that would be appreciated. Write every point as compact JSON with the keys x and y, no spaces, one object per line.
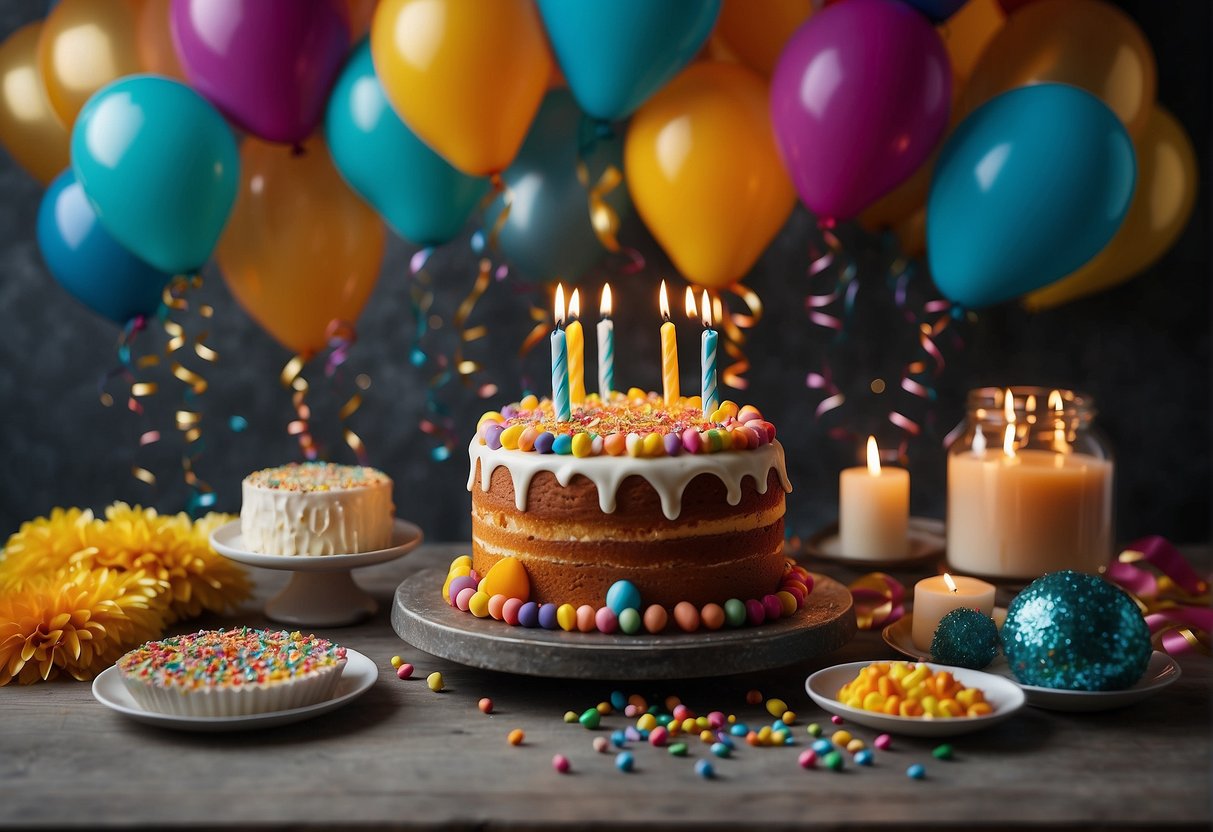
{"x":734,"y":326}
{"x":603,"y":218}
{"x":188,"y":422}
{"x":878,"y":599}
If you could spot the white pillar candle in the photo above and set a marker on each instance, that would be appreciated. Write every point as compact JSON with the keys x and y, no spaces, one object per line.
{"x":937,"y":596}
{"x":874,"y":510}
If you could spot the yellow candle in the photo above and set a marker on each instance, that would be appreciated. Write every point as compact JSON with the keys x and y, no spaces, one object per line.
{"x":874,"y":509}
{"x":669,"y":351}
{"x":937,"y":596}
{"x":576,"y":347}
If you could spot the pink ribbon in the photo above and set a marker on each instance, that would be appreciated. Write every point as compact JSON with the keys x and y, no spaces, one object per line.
{"x":1174,"y":597}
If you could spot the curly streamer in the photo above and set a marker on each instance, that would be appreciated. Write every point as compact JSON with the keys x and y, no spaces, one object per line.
{"x":188,"y":420}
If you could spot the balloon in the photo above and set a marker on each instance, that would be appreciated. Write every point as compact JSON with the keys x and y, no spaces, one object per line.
{"x":755,"y":33}
{"x":1086,"y":43}
{"x":88,"y":262}
{"x":1162,"y":203}
{"x":858,"y":101}
{"x":704,"y":173}
{"x":160,"y":167}
{"x":966,"y":35}
{"x":359,"y":14}
{"x":467,"y":78}
{"x":302,"y":250}
{"x":29,"y":128}
{"x":1009,"y":6}
{"x":617,"y":53}
{"x":420,"y":195}
{"x":267,"y":65}
{"x":1026,"y":190}
{"x":154,"y":40}
{"x":548,"y":233}
{"x":937,"y":10}
{"x":85,"y":44}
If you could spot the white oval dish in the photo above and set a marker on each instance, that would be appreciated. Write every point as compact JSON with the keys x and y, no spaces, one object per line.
{"x":356,"y":679}
{"x":1004,"y":696}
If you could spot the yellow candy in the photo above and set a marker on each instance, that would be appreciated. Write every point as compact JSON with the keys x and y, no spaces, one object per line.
{"x":566,"y":617}
{"x":507,"y":577}
{"x":853,"y":702}
{"x":729,"y":407}
{"x":777,"y":707}
{"x":478,"y":604}
{"x":702,"y":723}
{"x":603,"y":708}
{"x":693,"y":402}
{"x":779,"y":737}
{"x":647,"y":722}
{"x":787,"y":601}
{"x":788,"y":718}
{"x":397,"y":661}
{"x":856,"y":745}
{"x":874,"y":701}
{"x":636,"y":448}
{"x":726,"y":440}
{"x":841,"y":738}
{"x":979,"y":709}
{"x":434,"y":681}
{"x":510,"y":436}
{"x":717,"y":416}
{"x":654,"y":445}
{"x":916,"y":677}
{"x":636,"y":393}
{"x":583,"y":444}
{"x":462,"y":560}
{"x":707,"y":736}
{"x":489,"y":416}
{"x":528,"y":402}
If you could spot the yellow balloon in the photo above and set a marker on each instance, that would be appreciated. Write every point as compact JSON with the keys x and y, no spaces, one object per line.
{"x":85,"y":44}
{"x":1085,"y":43}
{"x":29,"y":128}
{"x":300,"y":250}
{"x":704,"y":172}
{"x":966,"y":35}
{"x":755,"y":33}
{"x":467,"y":78}
{"x":1161,"y":206}
{"x":154,"y":40}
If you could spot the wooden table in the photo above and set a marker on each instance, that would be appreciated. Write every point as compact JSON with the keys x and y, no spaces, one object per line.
{"x":403,"y":756}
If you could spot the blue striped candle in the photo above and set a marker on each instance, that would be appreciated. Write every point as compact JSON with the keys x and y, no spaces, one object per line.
{"x":709,"y":394}
{"x":606,"y":346}
{"x":560,"y":363}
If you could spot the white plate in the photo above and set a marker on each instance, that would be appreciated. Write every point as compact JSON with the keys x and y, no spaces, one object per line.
{"x":229,"y":542}
{"x":1161,"y":672}
{"x":1004,"y":696}
{"x":356,"y":679}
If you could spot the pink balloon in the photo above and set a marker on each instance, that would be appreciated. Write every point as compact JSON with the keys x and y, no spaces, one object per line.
{"x":268,"y":65}
{"x":859,"y":100}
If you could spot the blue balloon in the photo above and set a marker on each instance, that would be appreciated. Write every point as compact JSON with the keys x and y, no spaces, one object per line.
{"x":160,"y":166}
{"x":88,"y":262}
{"x":937,"y":11}
{"x":617,"y":53}
{"x":548,"y":233}
{"x":1030,"y":186}
{"x":416,"y":191}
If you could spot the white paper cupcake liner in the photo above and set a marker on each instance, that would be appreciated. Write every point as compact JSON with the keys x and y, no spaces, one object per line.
{"x":230,"y":701}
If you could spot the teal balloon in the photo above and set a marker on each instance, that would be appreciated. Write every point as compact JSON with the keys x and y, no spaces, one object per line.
{"x":90,"y":264}
{"x":616,"y":53}
{"x":415,"y":190}
{"x":548,"y":233}
{"x":160,"y":166}
{"x":1030,"y":186}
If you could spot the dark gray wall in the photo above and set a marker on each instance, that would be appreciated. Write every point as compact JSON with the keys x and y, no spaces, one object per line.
{"x":1141,"y":350}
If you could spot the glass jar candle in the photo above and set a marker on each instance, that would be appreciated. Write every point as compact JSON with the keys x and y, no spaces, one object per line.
{"x":1029,"y":485}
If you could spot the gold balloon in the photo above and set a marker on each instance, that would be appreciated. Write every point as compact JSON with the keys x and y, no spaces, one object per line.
{"x":1161,"y":206}
{"x":966,"y":35}
{"x":29,"y":128}
{"x":85,"y":44}
{"x":300,"y":250}
{"x":154,"y":40}
{"x":1085,"y":43}
{"x":755,"y":33}
{"x":359,"y":13}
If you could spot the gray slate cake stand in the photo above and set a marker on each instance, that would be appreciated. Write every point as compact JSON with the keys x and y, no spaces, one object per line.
{"x":424,"y":620}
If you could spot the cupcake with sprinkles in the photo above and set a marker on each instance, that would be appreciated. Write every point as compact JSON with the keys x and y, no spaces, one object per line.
{"x":232,"y":672}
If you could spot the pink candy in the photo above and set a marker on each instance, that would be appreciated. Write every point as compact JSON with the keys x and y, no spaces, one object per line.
{"x":772,"y":607}
{"x":691,"y":441}
{"x":884,"y":742}
{"x":509,"y":610}
{"x":808,"y":758}
{"x":658,"y":736}
{"x":837,"y":720}
{"x":606,"y":620}
{"x":561,"y":764}
{"x":464,"y":598}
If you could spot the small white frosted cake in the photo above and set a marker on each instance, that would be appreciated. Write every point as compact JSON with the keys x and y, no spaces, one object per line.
{"x":316,"y":508}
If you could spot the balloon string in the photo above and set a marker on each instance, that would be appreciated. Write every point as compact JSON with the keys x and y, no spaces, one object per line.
{"x":341,"y":336}
{"x":292,"y":378}
{"x":188,"y":420}
{"x":830,"y":308}
{"x":137,"y":390}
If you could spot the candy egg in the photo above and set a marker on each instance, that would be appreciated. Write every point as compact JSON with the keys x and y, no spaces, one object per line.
{"x":673,"y":445}
{"x":712,"y":616}
{"x":496,"y":605}
{"x":581,"y":445}
{"x":547,"y":616}
{"x":655,"y":618}
{"x":686,"y":616}
{"x":585,"y":618}
{"x":396,"y":661}
{"x":561,"y":764}
{"x":404,"y":671}
{"x":658,"y":736}
{"x":601,"y":745}
{"x":562,"y":445}
{"x":528,"y":614}
{"x":526,"y":441}
{"x":459,"y":584}
{"x":834,"y":761}
{"x":808,"y":758}
{"x":721,"y":750}
{"x":507,"y":577}
{"x":478,"y":604}
{"x":691,"y":441}
{"x":510,"y":436}
{"x":566,"y":617}
{"x":434,"y":681}
{"x":788,"y":602}
{"x":884,"y":742}
{"x":704,"y":769}
{"x":544,"y":442}
{"x":605,"y":620}
{"x":616,"y":444}
{"x":756,"y":613}
{"x":516,"y":737}
{"x":624,"y":761}
{"x":621,"y":596}
{"x":863,"y":758}
{"x":772,"y":606}
{"x":485,"y":705}
{"x":630,"y":621}
{"x":491,"y":433}
{"x":464,"y":598}
{"x":735,"y":612}
{"x":916,"y":772}
{"x":590,"y":718}
{"x":509,"y":610}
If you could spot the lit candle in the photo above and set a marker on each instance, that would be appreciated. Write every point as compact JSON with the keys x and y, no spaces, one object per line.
{"x":669,"y":351}
{"x":707,"y":359}
{"x":560,"y":362}
{"x":937,"y":596}
{"x":874,"y":509}
{"x":606,"y":345}
{"x":572,"y":333}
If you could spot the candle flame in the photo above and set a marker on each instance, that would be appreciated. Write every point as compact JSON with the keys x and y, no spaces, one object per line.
{"x":604,"y":306}
{"x":575,"y":305}
{"x":1008,"y":440}
{"x":1059,"y":423}
{"x":947,"y":579}
{"x":689,"y":303}
{"x":717,"y":309}
{"x":559,"y":306}
{"x":1055,"y":401}
{"x":664,"y":302}
{"x":1008,"y":406}
{"x":873,"y":457}
{"x":706,"y":310}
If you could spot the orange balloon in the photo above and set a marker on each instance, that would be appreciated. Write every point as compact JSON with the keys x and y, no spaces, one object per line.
{"x":755,"y":33}
{"x":359,"y":13}
{"x":704,"y":172}
{"x":901,"y":202}
{"x":1085,"y":43}
{"x":85,"y":44}
{"x":29,"y":128}
{"x":154,"y":40}
{"x":966,"y":35}
{"x":300,"y":250}
{"x":467,"y":78}
{"x":1162,"y":203}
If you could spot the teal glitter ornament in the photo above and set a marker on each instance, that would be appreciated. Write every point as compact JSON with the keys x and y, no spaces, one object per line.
{"x":1073,"y":631}
{"x":965,"y":638}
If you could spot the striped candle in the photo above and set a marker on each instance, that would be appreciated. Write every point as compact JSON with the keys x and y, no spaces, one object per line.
{"x":560,"y":362}
{"x":711,"y":397}
{"x":606,"y":345}
{"x":576,"y":344}
{"x":669,"y":351}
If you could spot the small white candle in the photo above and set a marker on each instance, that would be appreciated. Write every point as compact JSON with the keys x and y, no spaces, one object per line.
{"x":874,"y":510}
{"x":606,"y":345}
{"x":937,"y":596}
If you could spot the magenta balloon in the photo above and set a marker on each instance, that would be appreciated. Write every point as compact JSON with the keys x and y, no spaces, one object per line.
{"x":859,"y":99}
{"x":268,"y":65}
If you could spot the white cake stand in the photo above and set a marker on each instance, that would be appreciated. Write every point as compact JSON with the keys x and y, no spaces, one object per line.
{"x":321,"y":593}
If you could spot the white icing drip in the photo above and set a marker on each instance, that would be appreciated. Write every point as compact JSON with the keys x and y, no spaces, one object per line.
{"x":669,"y":475}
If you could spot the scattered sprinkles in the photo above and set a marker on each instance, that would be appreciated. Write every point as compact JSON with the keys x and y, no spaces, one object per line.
{"x":308,"y":477}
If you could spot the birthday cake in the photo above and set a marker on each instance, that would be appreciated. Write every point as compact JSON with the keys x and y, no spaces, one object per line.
{"x":316,"y":508}
{"x":677,"y":514}
{"x":232,"y":672}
